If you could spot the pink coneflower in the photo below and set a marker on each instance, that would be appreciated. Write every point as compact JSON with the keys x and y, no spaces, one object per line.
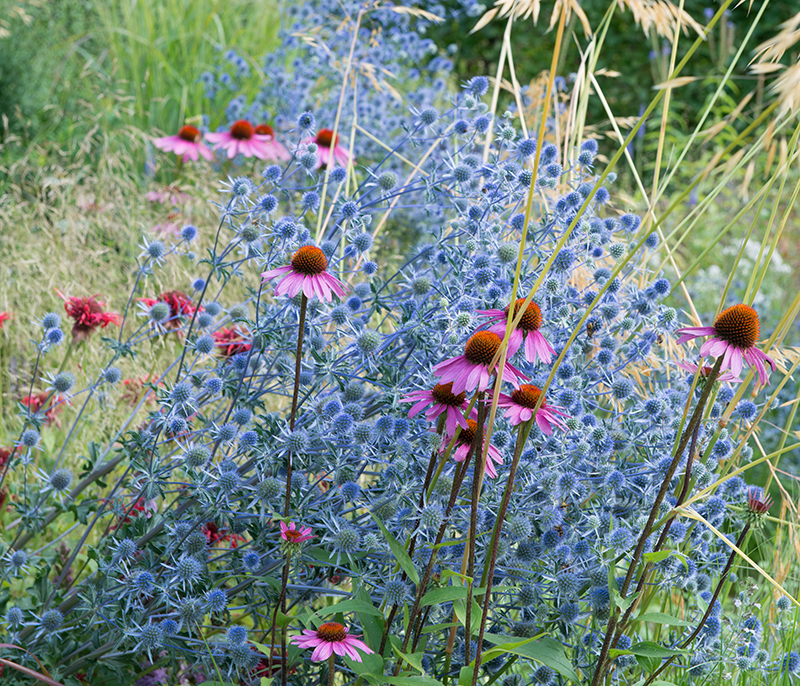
{"x":4,"y":317}
{"x":331,"y":639}
{"x":706,"y":370}
{"x":734,"y":336}
{"x":292,"y":534}
{"x":329,"y":149}
{"x":275,"y":151}
{"x":188,"y":142}
{"x":471,"y":370}
{"x":241,"y":138}
{"x":440,"y":399}
{"x":308,"y":272}
{"x":464,"y":443}
{"x":88,"y":315}
{"x":536,"y":344}
{"x":521,"y":404}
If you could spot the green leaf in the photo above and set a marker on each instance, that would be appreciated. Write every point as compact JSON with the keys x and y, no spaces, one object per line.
{"x":403,"y":558}
{"x":372,"y":626}
{"x":411,"y":681}
{"x":445,"y":594}
{"x":351,"y":605}
{"x":650,"y":649}
{"x":266,"y":682}
{"x":661,"y":618}
{"x":465,"y":676}
{"x":414,"y":659}
{"x":460,"y":607}
{"x":370,"y":665}
{"x":260,"y":647}
{"x":657,"y":556}
{"x":546,"y":651}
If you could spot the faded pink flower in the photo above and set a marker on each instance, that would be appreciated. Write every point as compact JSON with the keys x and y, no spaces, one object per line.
{"x":242,"y":139}
{"x":471,"y":370}
{"x":521,"y":404}
{"x":331,"y":638}
{"x":275,"y":151}
{"x":308,"y":272}
{"x":440,"y":399}
{"x":187,"y":142}
{"x":733,"y":337}
{"x":706,"y":370}
{"x":464,"y":443}
{"x":329,"y":150}
{"x":536,"y":344}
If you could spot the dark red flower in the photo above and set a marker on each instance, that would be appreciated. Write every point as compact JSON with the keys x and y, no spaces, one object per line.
{"x":37,"y":401}
{"x":215,"y":534}
{"x":230,"y":342}
{"x":5,"y":455}
{"x":88,"y":314}
{"x":180,"y":306}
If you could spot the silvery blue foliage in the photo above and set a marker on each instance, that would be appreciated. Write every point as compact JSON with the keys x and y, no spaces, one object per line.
{"x":192,"y":552}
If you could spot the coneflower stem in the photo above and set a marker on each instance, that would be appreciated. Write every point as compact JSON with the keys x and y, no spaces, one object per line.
{"x":331,"y":669}
{"x":488,"y":573}
{"x":413,"y":541}
{"x":477,"y":447}
{"x":697,"y":416}
{"x":459,"y":478}
{"x":301,"y":327}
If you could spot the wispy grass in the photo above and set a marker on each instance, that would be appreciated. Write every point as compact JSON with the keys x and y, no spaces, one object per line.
{"x":159,"y":50}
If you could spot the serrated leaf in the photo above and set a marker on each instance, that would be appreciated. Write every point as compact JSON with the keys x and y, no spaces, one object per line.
{"x":400,"y":553}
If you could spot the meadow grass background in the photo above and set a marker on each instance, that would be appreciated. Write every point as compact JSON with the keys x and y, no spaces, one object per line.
{"x":84,"y":86}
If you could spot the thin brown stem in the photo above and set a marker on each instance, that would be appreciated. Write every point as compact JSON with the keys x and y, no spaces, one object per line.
{"x":522,"y":437}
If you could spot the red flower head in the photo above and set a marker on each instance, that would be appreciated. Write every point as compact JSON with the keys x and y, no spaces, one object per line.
{"x":230,"y":342}
{"x":37,"y":401}
{"x":88,"y":314}
{"x":5,"y":456}
{"x":215,"y":534}
{"x":4,"y":316}
{"x":180,"y":306}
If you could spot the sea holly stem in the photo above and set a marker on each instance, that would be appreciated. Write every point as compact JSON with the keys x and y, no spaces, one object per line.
{"x":697,"y":415}
{"x":722,"y":579}
{"x":488,"y":572}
